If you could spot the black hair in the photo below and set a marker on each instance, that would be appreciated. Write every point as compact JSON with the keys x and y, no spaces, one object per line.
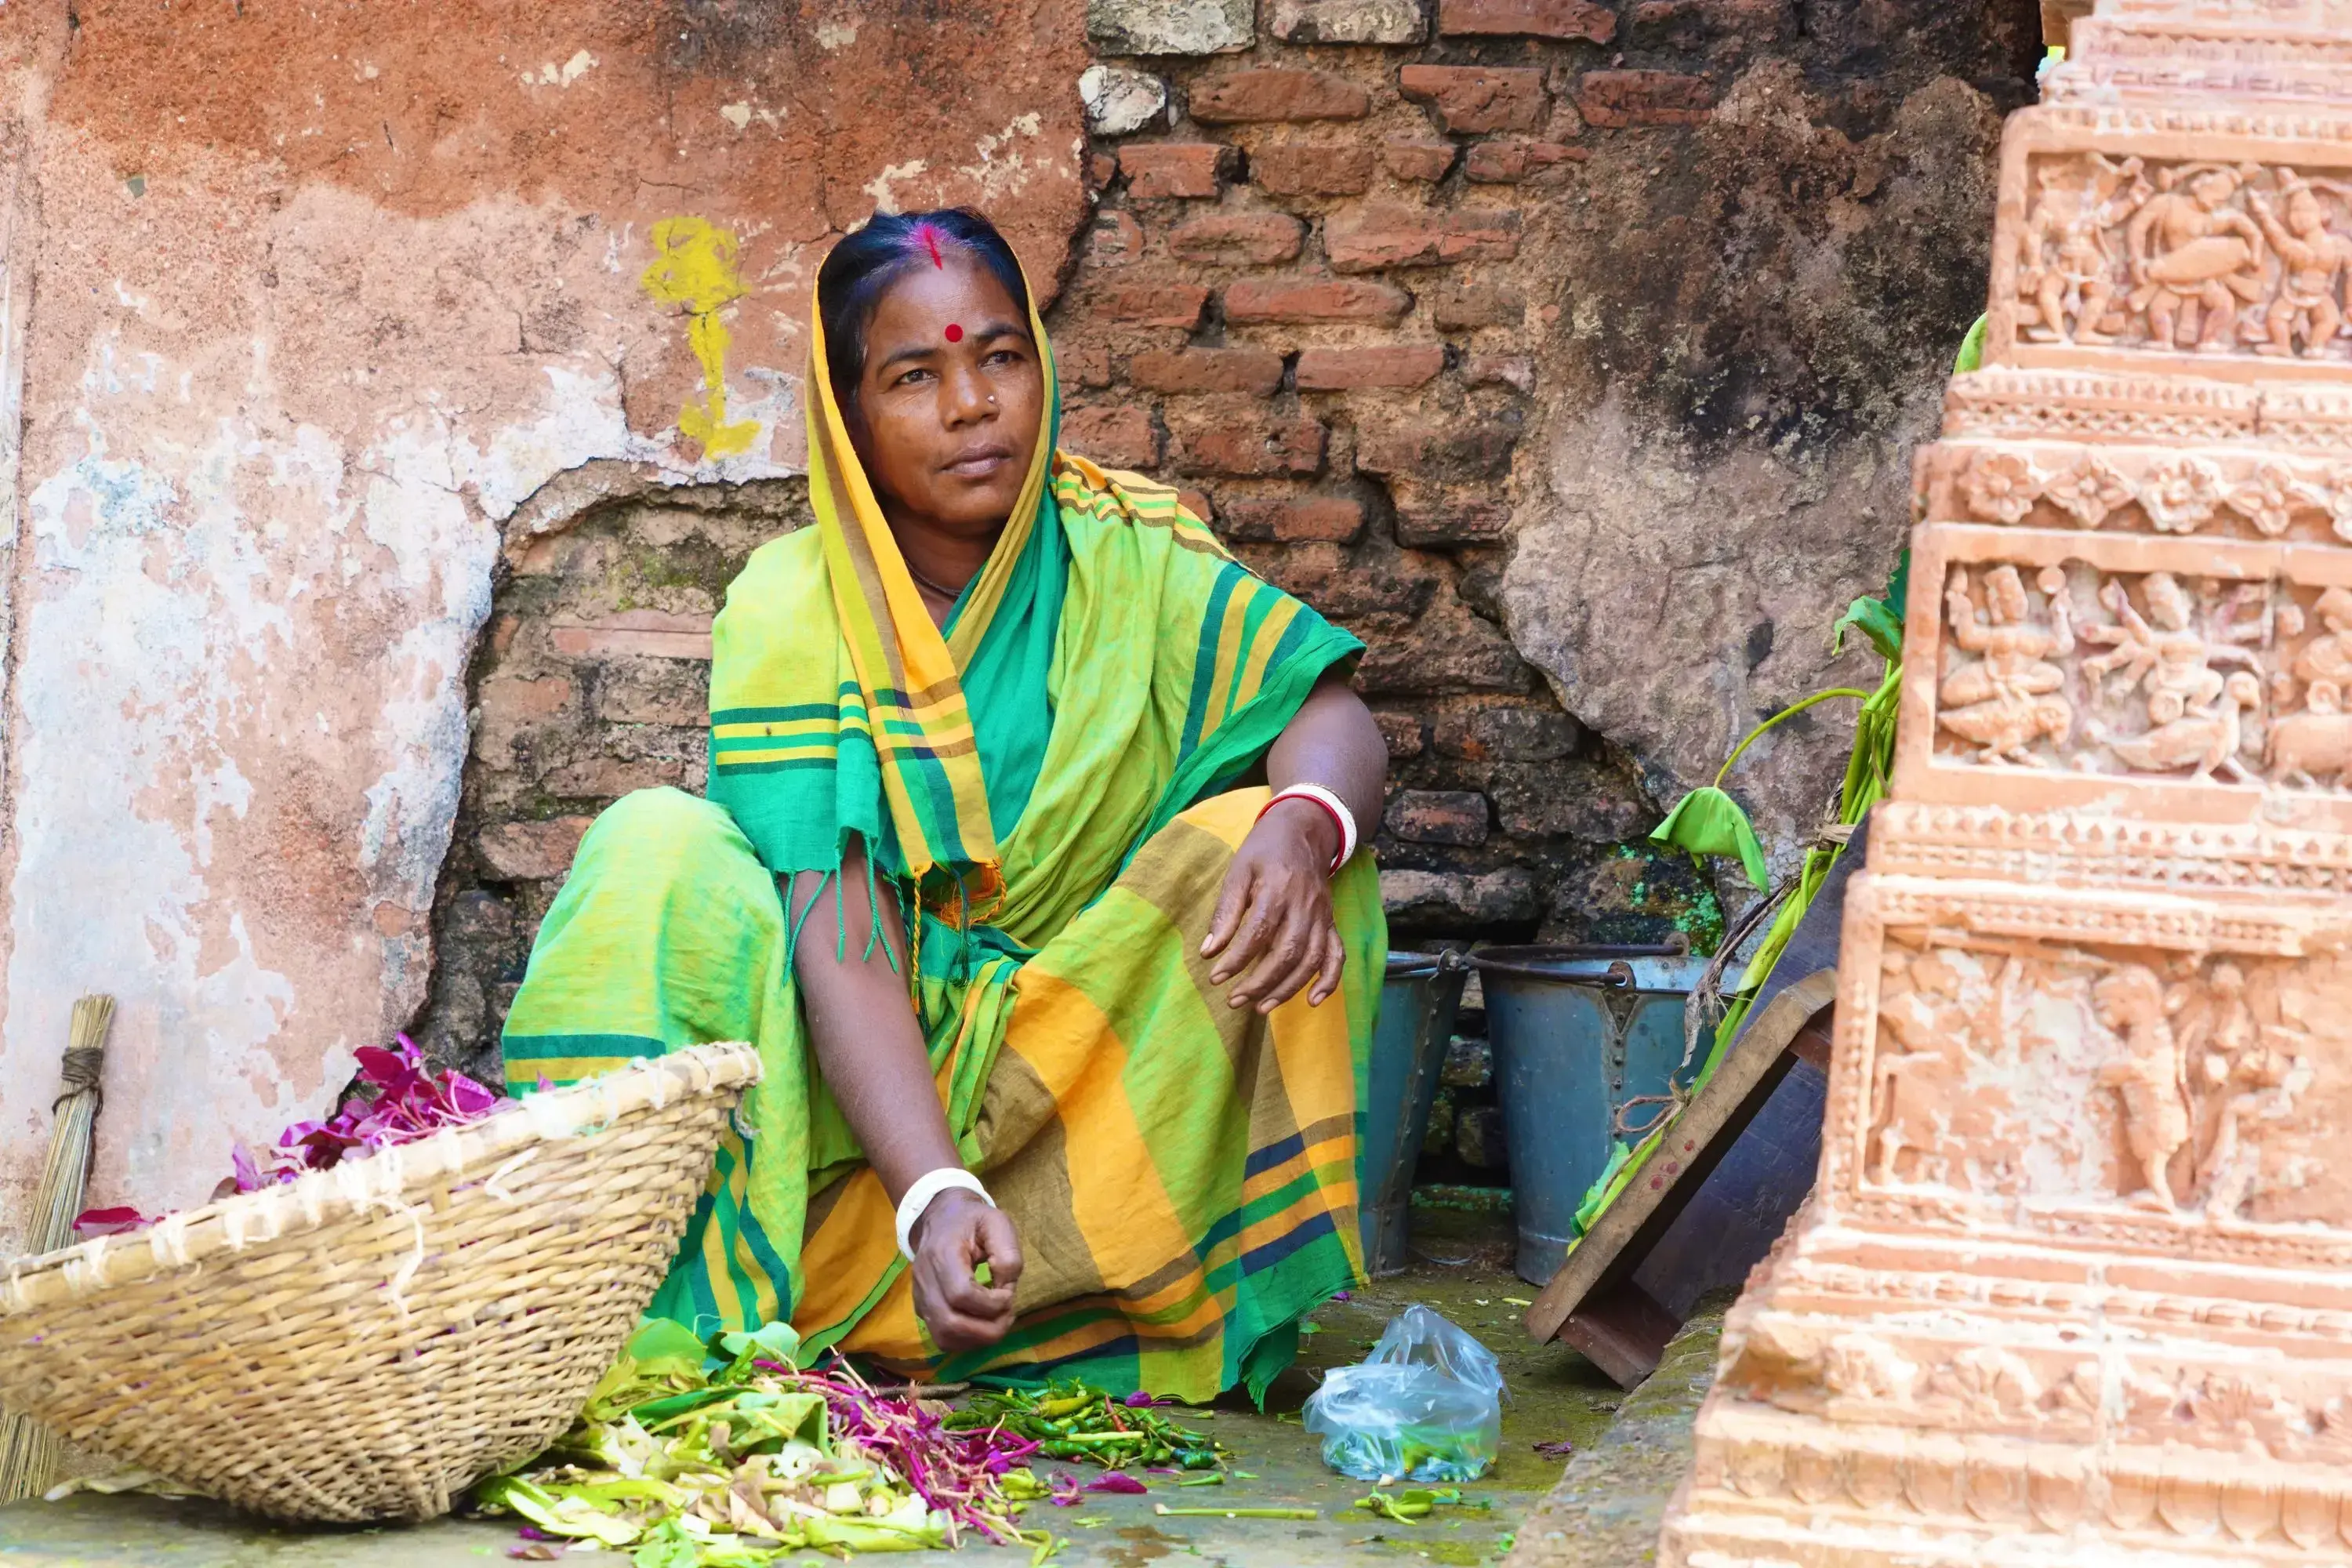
{"x":890,"y":245}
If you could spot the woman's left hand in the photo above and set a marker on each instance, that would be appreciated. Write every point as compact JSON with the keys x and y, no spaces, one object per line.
{"x":1273,"y":925}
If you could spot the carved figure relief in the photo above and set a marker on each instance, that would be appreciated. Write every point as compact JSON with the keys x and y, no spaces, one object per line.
{"x":2166,"y":1082}
{"x":2195,"y":257}
{"x":2148,"y":674}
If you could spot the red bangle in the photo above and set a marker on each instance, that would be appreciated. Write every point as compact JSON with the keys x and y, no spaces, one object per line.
{"x":1339,"y":828}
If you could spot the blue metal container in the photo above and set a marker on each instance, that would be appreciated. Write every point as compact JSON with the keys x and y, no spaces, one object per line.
{"x":1417,"y":1003}
{"x":1578,"y":1032}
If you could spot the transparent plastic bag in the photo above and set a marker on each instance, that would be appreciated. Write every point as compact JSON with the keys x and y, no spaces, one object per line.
{"x":1426,"y":1406}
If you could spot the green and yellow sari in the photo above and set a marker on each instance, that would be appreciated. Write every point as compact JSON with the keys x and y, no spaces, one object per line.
{"x":1048,"y":788}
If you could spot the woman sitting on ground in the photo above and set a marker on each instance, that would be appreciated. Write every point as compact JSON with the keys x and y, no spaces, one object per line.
{"x":1013,"y":705}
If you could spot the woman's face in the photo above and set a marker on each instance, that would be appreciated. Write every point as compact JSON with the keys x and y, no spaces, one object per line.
{"x":950,"y":399}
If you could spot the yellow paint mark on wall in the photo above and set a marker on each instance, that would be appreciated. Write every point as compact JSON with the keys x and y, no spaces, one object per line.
{"x":696,"y":269}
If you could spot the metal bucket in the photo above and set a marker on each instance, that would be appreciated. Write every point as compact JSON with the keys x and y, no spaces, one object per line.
{"x":1417,"y":1003}
{"x":1578,"y":1032}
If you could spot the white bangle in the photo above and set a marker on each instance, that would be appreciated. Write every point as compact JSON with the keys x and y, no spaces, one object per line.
{"x":926,"y":1188}
{"x":1340,"y":816}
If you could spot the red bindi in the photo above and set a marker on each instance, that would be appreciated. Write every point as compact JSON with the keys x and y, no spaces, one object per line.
{"x":955,"y":333}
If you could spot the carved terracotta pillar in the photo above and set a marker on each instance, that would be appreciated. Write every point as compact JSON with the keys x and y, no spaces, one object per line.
{"x":2075,"y":1283}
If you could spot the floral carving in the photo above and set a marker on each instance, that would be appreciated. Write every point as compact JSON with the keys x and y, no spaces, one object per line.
{"x":1861,"y":1366}
{"x":2001,"y":484}
{"x":1987,"y":1382}
{"x":2332,"y":495}
{"x":2267,"y":499}
{"x":2181,"y":493}
{"x":2089,"y":491}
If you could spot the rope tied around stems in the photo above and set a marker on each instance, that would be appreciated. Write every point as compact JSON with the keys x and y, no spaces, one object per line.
{"x":82,"y":1069}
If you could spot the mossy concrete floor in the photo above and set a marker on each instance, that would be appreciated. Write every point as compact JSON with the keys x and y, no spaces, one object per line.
{"x":1463,"y":1272}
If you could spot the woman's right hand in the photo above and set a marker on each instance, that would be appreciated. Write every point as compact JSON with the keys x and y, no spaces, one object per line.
{"x":956,"y":1233}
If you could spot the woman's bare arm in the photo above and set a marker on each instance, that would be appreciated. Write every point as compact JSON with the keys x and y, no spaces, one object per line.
{"x":872,"y":1054}
{"x":1274,"y":925}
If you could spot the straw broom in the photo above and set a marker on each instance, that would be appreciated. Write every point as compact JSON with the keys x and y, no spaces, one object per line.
{"x":29,"y":1452}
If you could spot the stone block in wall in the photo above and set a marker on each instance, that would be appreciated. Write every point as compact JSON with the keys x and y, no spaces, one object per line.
{"x":1478,"y":1137}
{"x":1158,"y":170}
{"x":1458,"y":898}
{"x":1437,"y":816}
{"x":1237,"y":238}
{"x":1160,"y":304}
{"x":1306,"y":301}
{"x":1416,"y":448}
{"x":1508,"y":160}
{"x":1172,"y":26}
{"x":1428,"y":518}
{"x":1115,"y":239}
{"x":1410,"y":158}
{"x":1509,"y":734}
{"x":1516,"y":372}
{"x":1312,"y":169}
{"x":1447,"y":651}
{"x":532,"y":852}
{"x":1350,"y":21}
{"x":1403,"y":733}
{"x":1567,"y":799}
{"x":1469,"y":1064}
{"x":1389,"y":365}
{"x":1291,"y":520}
{"x":1457,"y":310}
{"x":1477,"y":97}
{"x":1388,"y":235}
{"x":653,"y":691}
{"x":1120,"y":101}
{"x":1244,"y":442}
{"x":1530,"y":19}
{"x":1242,"y":97}
{"x":1613,"y":99}
{"x":1258,"y":372}
{"x":1118,"y":436}
{"x":1683,"y":24}
{"x":1438,"y":1141}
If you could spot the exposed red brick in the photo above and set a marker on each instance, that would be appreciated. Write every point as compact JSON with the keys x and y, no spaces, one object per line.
{"x":1307,"y":300}
{"x":1613,"y":99}
{"x":1088,"y":365}
{"x":1152,"y":304}
{"x":1461,"y":309}
{"x":1342,"y":370}
{"x":1160,"y":169}
{"x":1243,"y":441}
{"x":1113,"y":436}
{"x":532,"y":852}
{"x":633,"y":633}
{"x":1437,"y":816}
{"x":1390,"y":235}
{"x":1515,"y":370}
{"x":1439,"y":519}
{"x":1473,"y":449}
{"x":1238,"y":239}
{"x":1116,"y":239}
{"x":1530,"y":18}
{"x":1508,"y":159}
{"x":1254,"y":371}
{"x":1759,"y":19}
{"x":1403,"y":733}
{"x":1477,"y":97}
{"x":1411,"y":160}
{"x":1196,"y":502}
{"x":1312,"y":169}
{"x":1255,"y":95}
{"x":1291,"y":520}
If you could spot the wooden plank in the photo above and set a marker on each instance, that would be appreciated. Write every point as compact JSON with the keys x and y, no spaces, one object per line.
{"x":1742,"y":1081}
{"x":1753,"y":1075}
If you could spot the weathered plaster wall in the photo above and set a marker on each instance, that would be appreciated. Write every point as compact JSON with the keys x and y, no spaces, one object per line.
{"x":1567,"y":351}
{"x":321,"y":300}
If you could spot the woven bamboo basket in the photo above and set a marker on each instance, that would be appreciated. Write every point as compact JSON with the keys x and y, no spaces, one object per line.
{"x":366,"y":1341}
